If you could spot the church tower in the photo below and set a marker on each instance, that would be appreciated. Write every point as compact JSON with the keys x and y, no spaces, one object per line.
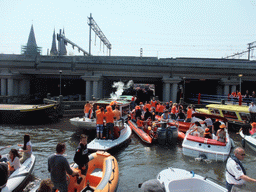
{"x":31,"y":47}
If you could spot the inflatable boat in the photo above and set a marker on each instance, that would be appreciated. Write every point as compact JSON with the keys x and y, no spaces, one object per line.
{"x":18,"y":178}
{"x":102,"y":175}
{"x":174,"y":179}
{"x":106,"y":145}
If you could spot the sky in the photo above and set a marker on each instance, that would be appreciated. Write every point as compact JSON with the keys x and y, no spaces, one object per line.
{"x":161,"y":28}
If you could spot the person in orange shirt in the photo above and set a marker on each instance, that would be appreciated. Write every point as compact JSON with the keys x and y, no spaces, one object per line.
{"x":99,"y":123}
{"x":109,"y":117}
{"x":87,"y":108}
{"x":161,"y":109}
{"x":147,"y":106}
{"x":153,"y":103}
{"x":173,"y":111}
{"x":189,"y":114}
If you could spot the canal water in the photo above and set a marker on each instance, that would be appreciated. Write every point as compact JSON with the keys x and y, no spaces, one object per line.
{"x":137,"y":162}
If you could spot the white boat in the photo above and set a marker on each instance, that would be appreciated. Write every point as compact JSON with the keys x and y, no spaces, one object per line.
{"x":106,"y":145}
{"x":90,"y":124}
{"x":249,"y":140}
{"x":19,"y":177}
{"x":175,"y":179}
{"x":83,"y":122}
{"x":210,"y":149}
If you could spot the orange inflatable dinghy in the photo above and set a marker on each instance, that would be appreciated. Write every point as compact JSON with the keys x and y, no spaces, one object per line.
{"x":102,"y":174}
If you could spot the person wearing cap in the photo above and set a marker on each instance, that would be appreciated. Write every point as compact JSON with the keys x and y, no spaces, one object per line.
{"x":252,"y":111}
{"x":235,"y":172}
{"x":207,"y":133}
{"x":221,"y":133}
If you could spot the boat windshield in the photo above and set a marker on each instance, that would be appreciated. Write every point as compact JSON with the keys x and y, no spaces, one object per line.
{"x":244,"y":116}
{"x":214,"y":111}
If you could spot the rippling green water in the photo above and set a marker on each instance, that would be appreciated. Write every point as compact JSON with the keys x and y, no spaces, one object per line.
{"x":137,"y":162}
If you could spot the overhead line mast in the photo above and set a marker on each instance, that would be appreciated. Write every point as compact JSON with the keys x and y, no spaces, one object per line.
{"x":93,"y":26}
{"x":249,"y":51}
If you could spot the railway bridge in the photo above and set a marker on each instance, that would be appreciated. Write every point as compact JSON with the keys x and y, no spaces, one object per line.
{"x":93,"y":76}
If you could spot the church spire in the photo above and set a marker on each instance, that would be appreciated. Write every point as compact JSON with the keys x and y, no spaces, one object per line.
{"x":54,"y":48}
{"x":31,"y":47}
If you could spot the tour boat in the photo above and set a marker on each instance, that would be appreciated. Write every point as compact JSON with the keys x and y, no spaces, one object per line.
{"x":102,"y":175}
{"x":90,"y":123}
{"x":106,"y":145}
{"x":204,"y":148}
{"x":13,"y":113}
{"x":19,"y":177}
{"x":235,"y":114}
{"x":174,"y":179}
{"x":249,"y":140}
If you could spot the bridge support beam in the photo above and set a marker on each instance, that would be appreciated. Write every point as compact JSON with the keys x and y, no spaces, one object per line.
{"x":170,"y":89}
{"x":93,"y":87}
{"x":229,"y":83}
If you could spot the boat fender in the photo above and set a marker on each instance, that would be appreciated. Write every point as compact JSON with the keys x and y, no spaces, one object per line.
{"x":193,"y":174}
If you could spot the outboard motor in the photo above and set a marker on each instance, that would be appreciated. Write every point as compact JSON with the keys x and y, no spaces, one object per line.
{"x":161,"y":136}
{"x":171,"y":135}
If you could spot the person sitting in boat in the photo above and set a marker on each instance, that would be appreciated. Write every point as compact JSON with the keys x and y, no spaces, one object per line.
{"x":140,"y":123}
{"x":207,"y":133}
{"x":197,"y":130}
{"x":138,"y":112}
{"x":147,"y":114}
{"x":100,"y":123}
{"x":14,"y":160}
{"x":165,"y":119}
{"x":253,"y":130}
{"x":46,"y":185}
{"x":26,"y":148}
{"x":216,"y":126}
{"x":246,"y":127}
{"x":181,"y":116}
{"x":4,"y":174}
{"x":209,"y":123}
{"x":221,"y":133}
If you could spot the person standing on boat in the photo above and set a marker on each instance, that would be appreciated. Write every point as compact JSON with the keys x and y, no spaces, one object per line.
{"x":147,"y":114}
{"x":4,"y":174}
{"x":81,"y":156}
{"x":87,"y":108}
{"x":252,"y":111}
{"x":58,"y":167}
{"x":235,"y":172}
{"x":109,"y":117}
{"x":26,"y":148}
{"x":189,"y":114}
{"x":153,"y":103}
{"x":100,"y":123}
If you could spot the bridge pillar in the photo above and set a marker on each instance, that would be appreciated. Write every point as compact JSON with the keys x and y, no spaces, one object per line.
{"x":10,"y":91}
{"x":227,"y":83}
{"x":96,"y":89}
{"x":3,"y":87}
{"x":24,"y":87}
{"x":170,"y":91}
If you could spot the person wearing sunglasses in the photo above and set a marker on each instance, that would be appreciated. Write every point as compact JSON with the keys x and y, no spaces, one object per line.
{"x":236,"y":177}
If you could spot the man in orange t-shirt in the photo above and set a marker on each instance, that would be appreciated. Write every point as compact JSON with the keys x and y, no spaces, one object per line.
{"x":189,"y":114}
{"x":99,"y":123}
{"x":109,"y":117}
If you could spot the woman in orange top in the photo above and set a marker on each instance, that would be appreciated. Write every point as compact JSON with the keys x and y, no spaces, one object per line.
{"x":99,"y":123}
